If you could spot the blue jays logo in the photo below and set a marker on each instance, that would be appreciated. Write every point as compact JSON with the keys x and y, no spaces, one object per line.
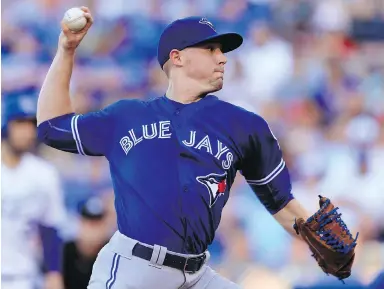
{"x":216,"y":185}
{"x":206,"y":22}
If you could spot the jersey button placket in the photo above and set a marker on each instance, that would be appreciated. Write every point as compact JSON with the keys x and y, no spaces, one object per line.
{"x":185,"y":188}
{"x":177,"y":124}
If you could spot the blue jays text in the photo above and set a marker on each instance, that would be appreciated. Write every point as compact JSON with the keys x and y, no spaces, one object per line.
{"x":161,"y":130}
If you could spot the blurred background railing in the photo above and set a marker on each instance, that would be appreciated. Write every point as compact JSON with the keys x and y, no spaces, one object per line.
{"x":313,"y":69}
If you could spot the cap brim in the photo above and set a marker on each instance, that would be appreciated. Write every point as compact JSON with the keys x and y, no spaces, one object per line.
{"x":228,"y":41}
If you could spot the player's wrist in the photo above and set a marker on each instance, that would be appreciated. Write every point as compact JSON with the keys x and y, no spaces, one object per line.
{"x":66,"y":51}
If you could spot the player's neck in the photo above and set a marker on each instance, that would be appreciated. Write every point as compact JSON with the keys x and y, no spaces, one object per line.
{"x":183,"y":94}
{"x":9,"y":157}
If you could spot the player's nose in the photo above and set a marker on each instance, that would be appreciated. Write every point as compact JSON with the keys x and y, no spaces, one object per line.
{"x":222,"y":59}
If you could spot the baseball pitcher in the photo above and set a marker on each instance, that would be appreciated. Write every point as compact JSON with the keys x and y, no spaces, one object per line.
{"x":172,"y":160}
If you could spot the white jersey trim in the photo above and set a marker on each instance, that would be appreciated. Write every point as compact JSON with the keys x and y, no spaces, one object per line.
{"x":270,"y":177}
{"x":76,"y":136}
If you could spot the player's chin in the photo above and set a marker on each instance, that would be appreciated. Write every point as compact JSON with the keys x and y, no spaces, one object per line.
{"x":217,"y":85}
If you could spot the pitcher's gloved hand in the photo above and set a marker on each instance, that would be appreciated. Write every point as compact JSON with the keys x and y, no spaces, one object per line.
{"x":329,"y":239}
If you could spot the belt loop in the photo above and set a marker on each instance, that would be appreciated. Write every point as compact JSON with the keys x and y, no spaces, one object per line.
{"x":185,"y":265}
{"x":155,"y":257}
{"x":207,"y":255}
{"x":162,"y":254}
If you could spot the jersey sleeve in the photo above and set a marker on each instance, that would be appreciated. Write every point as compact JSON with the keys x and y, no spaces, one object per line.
{"x":264,"y":168}
{"x":85,"y":134}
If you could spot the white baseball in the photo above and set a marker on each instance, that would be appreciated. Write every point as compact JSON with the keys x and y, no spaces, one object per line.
{"x":74,"y":19}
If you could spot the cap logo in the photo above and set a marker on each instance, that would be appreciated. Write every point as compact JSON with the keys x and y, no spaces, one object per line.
{"x":206,"y":22}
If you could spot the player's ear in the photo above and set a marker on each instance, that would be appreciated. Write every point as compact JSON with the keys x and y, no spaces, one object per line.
{"x":175,"y":57}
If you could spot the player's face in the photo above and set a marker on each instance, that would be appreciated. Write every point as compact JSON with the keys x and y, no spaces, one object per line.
{"x":22,"y":135}
{"x":205,"y":64}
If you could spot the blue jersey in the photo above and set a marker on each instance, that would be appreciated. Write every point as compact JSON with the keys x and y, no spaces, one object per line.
{"x":172,"y":165}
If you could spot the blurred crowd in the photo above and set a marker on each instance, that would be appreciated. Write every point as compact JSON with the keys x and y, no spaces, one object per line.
{"x":313,"y":69}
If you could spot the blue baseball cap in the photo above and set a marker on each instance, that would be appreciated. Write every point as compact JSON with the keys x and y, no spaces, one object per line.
{"x":20,"y":105}
{"x":192,"y":31}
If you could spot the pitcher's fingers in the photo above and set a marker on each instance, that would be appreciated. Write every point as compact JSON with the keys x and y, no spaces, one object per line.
{"x":89,"y":20}
{"x":85,"y":9}
{"x":89,"y":17}
{"x":65,"y":28}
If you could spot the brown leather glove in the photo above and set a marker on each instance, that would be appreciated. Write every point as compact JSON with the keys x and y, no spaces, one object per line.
{"x":329,"y":239}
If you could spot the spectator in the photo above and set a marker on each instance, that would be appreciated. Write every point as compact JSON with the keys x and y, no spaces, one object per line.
{"x":80,"y":254}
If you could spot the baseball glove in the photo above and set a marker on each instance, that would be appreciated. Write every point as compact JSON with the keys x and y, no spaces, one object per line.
{"x":329,"y":239}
